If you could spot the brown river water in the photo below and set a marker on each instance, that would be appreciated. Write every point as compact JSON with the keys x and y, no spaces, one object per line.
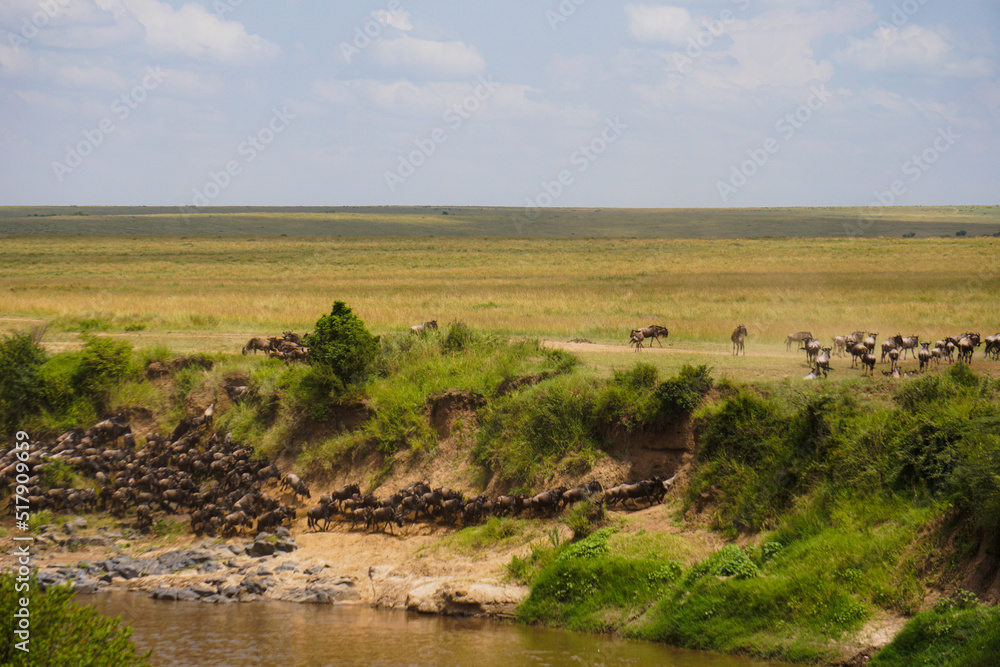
{"x":276,"y":633}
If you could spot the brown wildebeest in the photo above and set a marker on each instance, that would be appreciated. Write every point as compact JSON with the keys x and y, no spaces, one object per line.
{"x":739,"y":334}
{"x":421,"y":329}
{"x":869,"y":342}
{"x":868,"y":361}
{"x":635,"y":338}
{"x":262,"y":344}
{"x":654,"y":331}
{"x":907,"y":343}
{"x":812,"y":348}
{"x":924,"y":355}
{"x":798,"y":337}
{"x":858,"y":350}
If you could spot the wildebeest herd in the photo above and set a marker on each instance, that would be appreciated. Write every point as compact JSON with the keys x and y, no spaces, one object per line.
{"x":213,"y":478}
{"x":289,"y":347}
{"x":419,"y":503}
{"x":861,"y":346}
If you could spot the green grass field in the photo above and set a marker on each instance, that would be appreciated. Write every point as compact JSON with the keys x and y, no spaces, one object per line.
{"x":208,"y":293}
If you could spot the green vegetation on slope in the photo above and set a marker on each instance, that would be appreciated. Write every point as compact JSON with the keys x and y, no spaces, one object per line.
{"x":61,"y":632}
{"x":849,"y":498}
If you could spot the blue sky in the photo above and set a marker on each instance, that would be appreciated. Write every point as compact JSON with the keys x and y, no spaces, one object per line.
{"x":548,"y":102}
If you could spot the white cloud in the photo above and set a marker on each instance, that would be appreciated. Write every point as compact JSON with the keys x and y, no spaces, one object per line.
{"x":445,"y":60}
{"x":911,"y":48}
{"x":659,"y":23}
{"x":192,"y":31}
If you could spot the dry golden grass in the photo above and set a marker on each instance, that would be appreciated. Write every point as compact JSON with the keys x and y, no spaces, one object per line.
{"x":559,"y":288}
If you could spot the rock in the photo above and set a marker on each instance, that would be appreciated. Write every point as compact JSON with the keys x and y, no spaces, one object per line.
{"x":127,"y":572}
{"x":85,"y":587}
{"x":254,"y":585}
{"x":204,"y":590}
{"x":260,"y":549}
{"x":174,"y":594}
{"x":209,"y":567}
{"x":286,"y":545}
{"x":456,"y":598}
{"x":69,"y":528}
{"x":289,"y":566}
{"x":79,"y":523}
{"x":107,"y":578}
{"x":315,"y":569}
{"x":281,"y":531}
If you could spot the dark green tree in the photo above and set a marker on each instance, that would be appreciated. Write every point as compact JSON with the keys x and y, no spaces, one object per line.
{"x":61,"y":632}
{"x":21,"y":392}
{"x":341,"y":349}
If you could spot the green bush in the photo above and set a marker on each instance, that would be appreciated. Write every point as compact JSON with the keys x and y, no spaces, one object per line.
{"x":61,"y":632}
{"x":341,"y":350}
{"x":459,"y":337}
{"x":958,"y":632}
{"x":680,"y":395}
{"x":21,"y":388}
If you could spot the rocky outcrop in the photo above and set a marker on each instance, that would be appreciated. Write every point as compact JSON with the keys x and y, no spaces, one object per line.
{"x":466,"y":598}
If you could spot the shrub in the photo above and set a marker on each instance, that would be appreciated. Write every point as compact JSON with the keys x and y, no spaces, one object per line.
{"x":584,"y":518}
{"x":21,"y":390}
{"x":954,"y":633}
{"x":63,"y":633}
{"x":341,"y":350}
{"x":459,"y":337}
{"x":680,"y":395}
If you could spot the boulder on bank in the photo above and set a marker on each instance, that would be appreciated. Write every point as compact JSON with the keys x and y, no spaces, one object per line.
{"x":460,"y":598}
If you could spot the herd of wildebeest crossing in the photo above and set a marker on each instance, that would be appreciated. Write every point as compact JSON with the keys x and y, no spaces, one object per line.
{"x":227,"y":492}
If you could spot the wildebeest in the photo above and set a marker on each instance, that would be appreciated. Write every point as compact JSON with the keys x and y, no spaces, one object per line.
{"x":581,"y":492}
{"x":635,"y":338}
{"x":906,"y":343}
{"x":868,"y":361}
{"x":739,"y":334}
{"x":262,"y":344}
{"x":812,"y":348}
{"x":798,"y":337}
{"x":869,"y":342}
{"x":924,"y":355}
{"x":424,"y":328}
{"x":292,"y":482}
{"x":653,"y":331}
{"x":383,"y":515}
{"x":823,"y":361}
{"x":887,"y":345}
{"x":857,"y":351}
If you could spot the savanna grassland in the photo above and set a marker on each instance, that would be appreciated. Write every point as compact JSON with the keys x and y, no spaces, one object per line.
{"x":846,"y":509}
{"x":203,"y":289}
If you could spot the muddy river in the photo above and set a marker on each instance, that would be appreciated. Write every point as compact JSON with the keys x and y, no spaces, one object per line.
{"x":275,"y":633}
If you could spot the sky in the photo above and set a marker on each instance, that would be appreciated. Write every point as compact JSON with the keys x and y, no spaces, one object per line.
{"x":734,"y":103}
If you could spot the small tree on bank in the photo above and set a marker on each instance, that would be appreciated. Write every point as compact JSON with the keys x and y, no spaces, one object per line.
{"x":341,"y":349}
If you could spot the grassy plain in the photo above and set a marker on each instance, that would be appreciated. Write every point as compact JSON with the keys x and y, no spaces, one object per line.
{"x":593,"y":288}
